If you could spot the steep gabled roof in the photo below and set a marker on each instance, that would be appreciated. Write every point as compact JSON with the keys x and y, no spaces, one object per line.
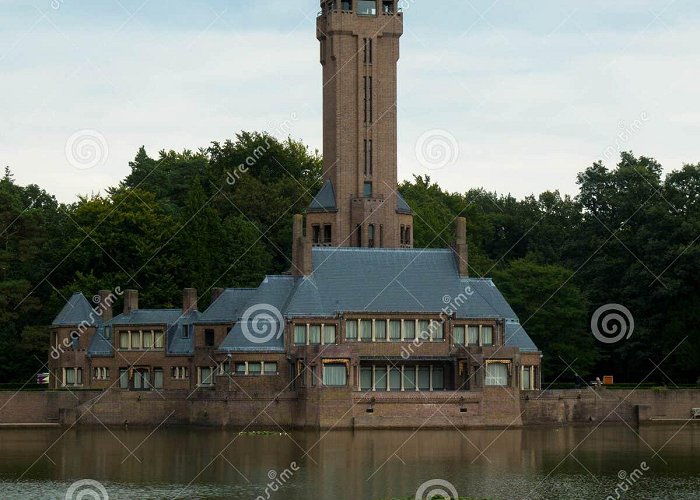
{"x":516,"y":336}
{"x":76,"y":311}
{"x":324,"y":201}
{"x":401,"y":205}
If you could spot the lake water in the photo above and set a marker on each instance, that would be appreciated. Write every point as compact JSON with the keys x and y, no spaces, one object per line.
{"x":536,"y":463}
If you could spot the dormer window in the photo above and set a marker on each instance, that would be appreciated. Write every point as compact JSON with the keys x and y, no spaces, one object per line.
{"x":367,"y":7}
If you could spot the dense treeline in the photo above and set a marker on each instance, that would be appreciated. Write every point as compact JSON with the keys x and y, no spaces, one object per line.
{"x":221,"y":216}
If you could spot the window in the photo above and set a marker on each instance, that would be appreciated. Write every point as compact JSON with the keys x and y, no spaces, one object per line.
{"x":424,"y":330}
{"x":496,"y":374}
{"x":367,"y":7}
{"x":487,"y":335}
{"x":335,"y":375}
{"x":69,"y":377}
{"x":369,"y":164}
{"x":241,"y":369}
{"x":316,"y":229}
{"x":438,"y":331}
{"x":473,"y":335}
{"x":405,"y":235}
{"x":438,"y":378}
{"x":148,"y":339}
{"x":209,"y":338}
{"x":395,"y":379}
{"x":368,"y":98}
{"x":351,"y":329}
{"x":458,"y":335}
{"x":159,"y":340}
{"x":142,"y":380}
{"x":380,"y":378}
{"x":388,"y":6}
{"x":327,"y":233}
{"x":180,"y":373}
{"x":315,"y":334}
{"x":366,"y":378}
{"x":346,"y":5}
{"x":123,"y":378}
{"x":135,"y":340}
{"x":395,"y":330}
{"x":370,"y":231}
{"x":409,"y":378}
{"x":101,"y":373}
{"x":526,"y":379}
{"x":300,"y":334}
{"x":314,"y":375}
{"x":368,"y":50}
{"x":368,"y":194}
{"x":380,"y":329}
{"x":206,"y":376}
{"x":158,"y":378}
{"x":381,"y":235}
{"x":270,"y":368}
{"x":254,"y":368}
{"x":329,"y":334}
{"x":366,"y":330}
{"x":123,"y":340}
{"x":358,"y":230}
{"x":423,"y":378}
{"x":409,"y":330}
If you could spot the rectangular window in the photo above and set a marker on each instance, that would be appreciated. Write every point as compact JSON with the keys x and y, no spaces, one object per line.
{"x":70,"y":376}
{"x":458,"y":335}
{"x":388,"y":6}
{"x":438,"y":378}
{"x":487,"y":335}
{"x":366,"y":330}
{"x":380,"y":329}
{"x":123,"y":340}
{"x":329,"y":334}
{"x":380,"y":378}
{"x":158,"y":378}
{"x":409,"y":330}
{"x":438,"y":331}
{"x":368,"y":50}
{"x":315,"y":334}
{"x":159,"y":340}
{"x":254,"y":368}
{"x":335,"y":375}
{"x":351,"y":329}
{"x":367,"y":7}
{"x":136,"y":340}
{"x":241,"y":369}
{"x":346,"y":5}
{"x":473,"y":335}
{"x":369,"y":161}
{"x":424,"y":378}
{"x":314,"y":375}
{"x":368,"y":98}
{"x":395,"y":379}
{"x":367,"y":193}
{"x":497,"y":374}
{"x":147,"y":340}
{"x":327,"y":233}
{"x":409,"y":378}
{"x":395,"y":330}
{"x":424,"y":330}
{"x":209,"y":338}
{"x":526,"y":378}
{"x":300,"y":334}
{"x":123,"y":378}
{"x":366,"y":378}
{"x":206,"y":376}
{"x":316,"y":229}
{"x":270,"y":368}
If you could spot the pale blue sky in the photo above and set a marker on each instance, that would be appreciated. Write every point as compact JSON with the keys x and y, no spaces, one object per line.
{"x":532,"y":93}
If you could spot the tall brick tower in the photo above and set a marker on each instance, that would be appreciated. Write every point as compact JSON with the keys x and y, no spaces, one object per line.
{"x":359,"y":204}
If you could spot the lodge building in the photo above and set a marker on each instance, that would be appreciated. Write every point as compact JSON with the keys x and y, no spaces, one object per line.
{"x":361,"y":317}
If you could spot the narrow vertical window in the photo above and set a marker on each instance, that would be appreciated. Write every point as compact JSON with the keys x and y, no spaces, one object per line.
{"x":327,"y":233}
{"x":316,"y":230}
{"x":358,"y":230}
{"x":370,"y":236}
{"x":368,"y":98}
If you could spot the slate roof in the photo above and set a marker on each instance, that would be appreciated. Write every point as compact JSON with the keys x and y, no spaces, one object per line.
{"x":77,"y":310}
{"x":324,"y":201}
{"x":401,"y":205}
{"x":228,"y":307}
{"x":516,"y":336}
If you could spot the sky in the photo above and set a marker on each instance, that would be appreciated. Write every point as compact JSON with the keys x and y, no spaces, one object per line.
{"x":511,"y":96}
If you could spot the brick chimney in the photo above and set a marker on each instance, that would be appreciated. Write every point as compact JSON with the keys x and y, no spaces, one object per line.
{"x":189,"y":300}
{"x":216,"y":293}
{"x":461,"y":249}
{"x":105,"y":305}
{"x":301,"y":249}
{"x":131,"y":301}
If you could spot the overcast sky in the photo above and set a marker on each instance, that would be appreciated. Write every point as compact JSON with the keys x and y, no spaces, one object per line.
{"x":522,"y":94}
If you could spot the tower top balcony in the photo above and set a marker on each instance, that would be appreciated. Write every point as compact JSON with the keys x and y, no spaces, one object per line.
{"x":378,"y":17}
{"x":360,"y":7}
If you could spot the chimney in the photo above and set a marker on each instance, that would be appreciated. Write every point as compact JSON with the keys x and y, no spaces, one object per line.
{"x":301,"y":249}
{"x":131,"y":301}
{"x":105,"y":305}
{"x":216,"y":293}
{"x":461,"y":248}
{"x":189,"y":300}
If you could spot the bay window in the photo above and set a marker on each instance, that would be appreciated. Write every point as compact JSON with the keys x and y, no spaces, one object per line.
{"x":335,"y":375}
{"x":497,"y":374}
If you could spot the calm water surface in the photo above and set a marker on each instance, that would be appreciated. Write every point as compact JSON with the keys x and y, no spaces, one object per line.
{"x":197,"y":464}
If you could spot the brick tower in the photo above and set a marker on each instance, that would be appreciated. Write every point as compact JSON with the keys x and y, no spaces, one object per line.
{"x":359,"y":204}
